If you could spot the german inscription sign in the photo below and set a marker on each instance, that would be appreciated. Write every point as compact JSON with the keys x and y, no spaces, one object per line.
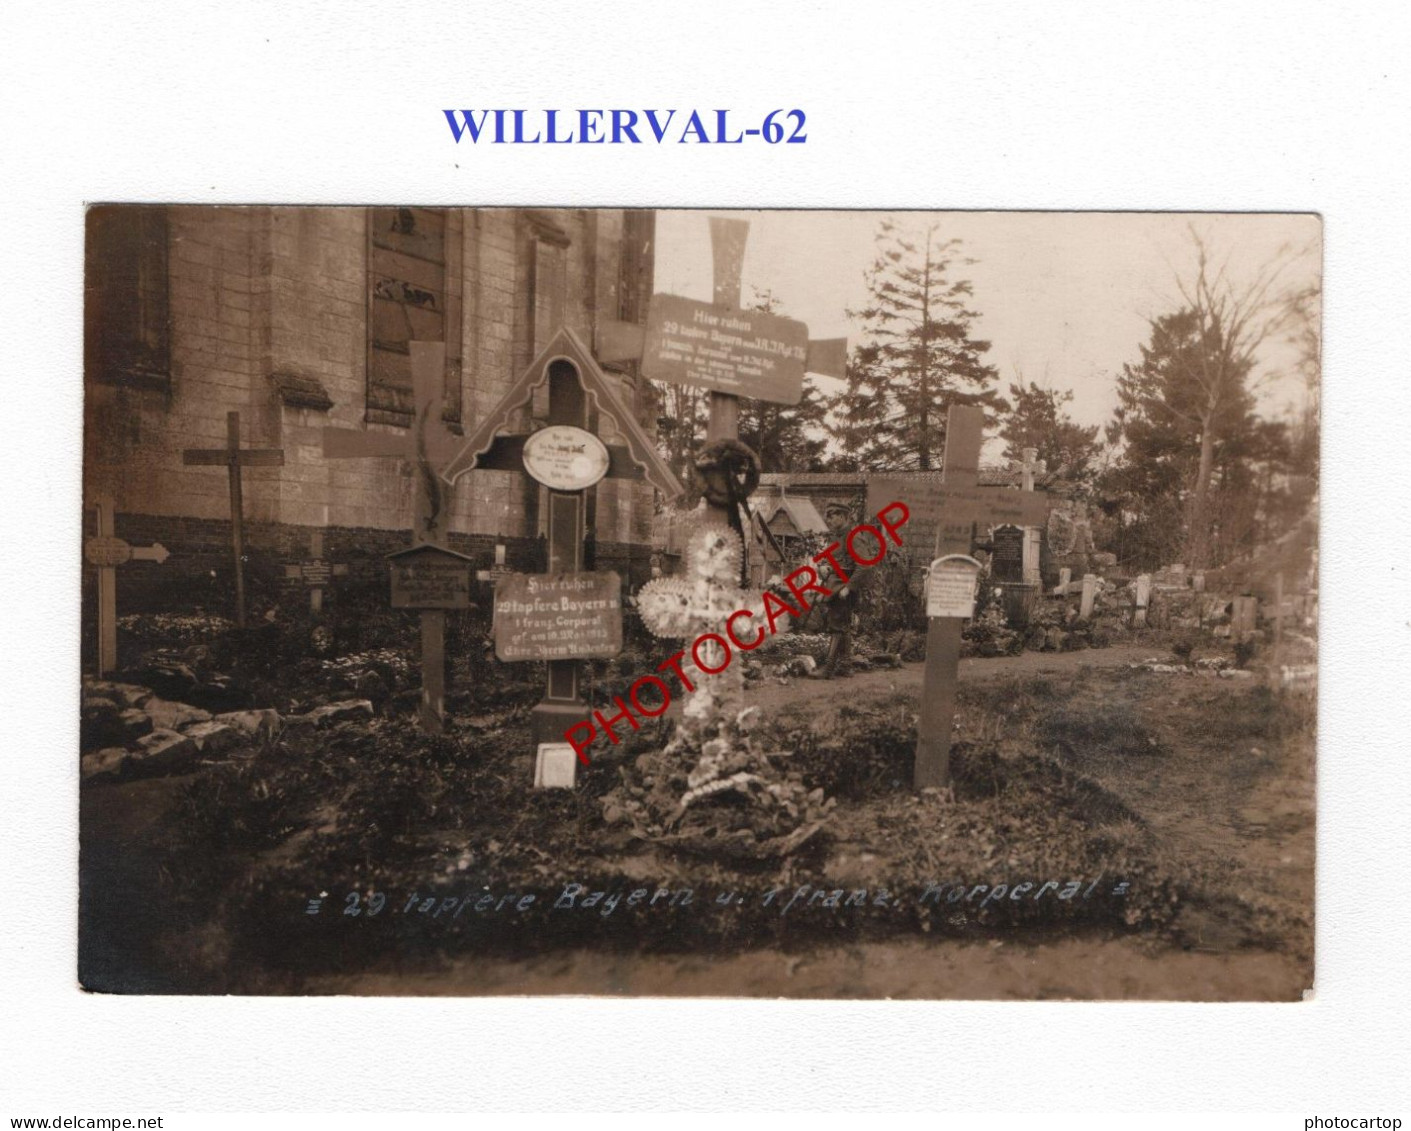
{"x":107,"y":551}
{"x":315,"y":572}
{"x":428,"y":577}
{"x":950,"y":586}
{"x":746,"y":353}
{"x":558,"y":616}
{"x":565,"y":458}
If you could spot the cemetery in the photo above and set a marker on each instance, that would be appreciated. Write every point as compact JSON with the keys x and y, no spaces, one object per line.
{"x":500,"y":680}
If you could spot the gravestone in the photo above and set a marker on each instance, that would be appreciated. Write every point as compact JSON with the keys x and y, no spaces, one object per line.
{"x":233,"y":458}
{"x":1065,"y":577}
{"x":498,"y":572}
{"x":565,"y":460}
{"x":1085,"y":607}
{"x":1033,"y":535}
{"x":955,"y":503}
{"x":1243,"y":618}
{"x":1007,"y":556}
{"x":1142,"y":600}
{"x":106,"y":551}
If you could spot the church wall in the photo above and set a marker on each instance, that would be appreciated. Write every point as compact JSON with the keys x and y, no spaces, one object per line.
{"x":265,"y":299}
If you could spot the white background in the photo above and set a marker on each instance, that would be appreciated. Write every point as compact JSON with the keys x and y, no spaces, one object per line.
{"x":1172,"y":106}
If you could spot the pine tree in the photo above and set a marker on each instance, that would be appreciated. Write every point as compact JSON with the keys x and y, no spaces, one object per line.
{"x":1037,"y":419}
{"x":918,"y":357}
{"x":786,"y":437}
{"x":1181,"y":440}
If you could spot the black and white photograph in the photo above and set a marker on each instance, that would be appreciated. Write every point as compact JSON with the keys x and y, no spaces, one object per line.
{"x":629,"y":559}
{"x":832,"y":604}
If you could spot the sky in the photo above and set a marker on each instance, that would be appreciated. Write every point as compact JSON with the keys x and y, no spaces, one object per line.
{"x":1063,"y":298}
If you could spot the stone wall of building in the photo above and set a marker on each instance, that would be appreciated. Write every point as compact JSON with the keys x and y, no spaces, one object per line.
{"x":268,"y":315}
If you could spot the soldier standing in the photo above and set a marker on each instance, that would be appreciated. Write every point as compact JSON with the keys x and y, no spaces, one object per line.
{"x":839,"y":612}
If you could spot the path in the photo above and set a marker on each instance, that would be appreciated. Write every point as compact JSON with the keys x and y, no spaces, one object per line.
{"x":833,"y":693}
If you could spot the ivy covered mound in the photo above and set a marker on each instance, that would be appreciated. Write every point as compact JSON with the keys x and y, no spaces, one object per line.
{"x":712,"y":791}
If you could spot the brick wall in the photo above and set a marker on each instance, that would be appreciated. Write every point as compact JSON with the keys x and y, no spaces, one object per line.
{"x":199,"y":575}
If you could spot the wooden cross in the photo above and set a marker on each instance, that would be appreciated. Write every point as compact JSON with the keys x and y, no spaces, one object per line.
{"x":233,"y":457}
{"x":955,"y":504}
{"x":106,"y":551}
{"x":315,"y":572}
{"x":428,"y":445}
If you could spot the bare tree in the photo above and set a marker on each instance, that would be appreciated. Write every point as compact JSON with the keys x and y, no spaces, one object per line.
{"x":1232,"y":319}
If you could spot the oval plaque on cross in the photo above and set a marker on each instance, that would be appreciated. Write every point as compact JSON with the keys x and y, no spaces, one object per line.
{"x":565,"y":458}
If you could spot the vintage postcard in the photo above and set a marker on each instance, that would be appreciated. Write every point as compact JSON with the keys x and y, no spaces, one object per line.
{"x":827,"y":604}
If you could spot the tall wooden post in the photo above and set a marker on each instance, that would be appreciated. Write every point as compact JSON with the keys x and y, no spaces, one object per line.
{"x":237,"y":515}
{"x":727,"y":250}
{"x":107,"y":594}
{"x":563,"y":703}
{"x":426,"y":446}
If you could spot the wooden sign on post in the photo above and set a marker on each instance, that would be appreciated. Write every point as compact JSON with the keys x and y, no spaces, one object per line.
{"x":233,"y":457}
{"x":431,"y":579}
{"x":558,"y":616}
{"x":955,"y":504}
{"x":106,"y":551}
{"x":427,"y":445}
{"x":745,"y":353}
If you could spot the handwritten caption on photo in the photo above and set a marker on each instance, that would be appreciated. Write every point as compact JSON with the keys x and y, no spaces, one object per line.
{"x":572,"y":896}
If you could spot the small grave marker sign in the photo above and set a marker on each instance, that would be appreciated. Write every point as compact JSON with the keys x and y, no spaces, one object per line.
{"x":430,"y":577}
{"x":555,"y":766}
{"x":558,"y":616}
{"x":951,"y":586}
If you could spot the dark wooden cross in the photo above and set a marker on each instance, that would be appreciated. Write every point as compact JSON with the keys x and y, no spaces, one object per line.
{"x":619,"y":341}
{"x":106,"y":552}
{"x":233,"y":457}
{"x":955,"y":504}
{"x":574,"y":381}
{"x":427,"y":445}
